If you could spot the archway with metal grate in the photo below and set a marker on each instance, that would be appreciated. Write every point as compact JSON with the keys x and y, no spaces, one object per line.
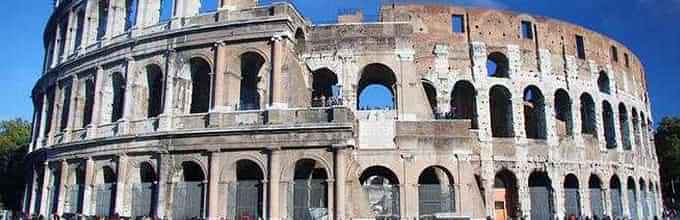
{"x":246,"y":195}
{"x":615,"y":197}
{"x":143,"y":184}
{"x":380,"y":193}
{"x":572,"y":197}
{"x":105,"y":180}
{"x":596,"y":197}
{"x":310,"y":191}
{"x":188,"y":198}
{"x":436,"y":193}
{"x":541,"y":196}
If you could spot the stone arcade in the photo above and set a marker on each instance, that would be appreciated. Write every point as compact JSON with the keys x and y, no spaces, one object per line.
{"x":246,"y":110}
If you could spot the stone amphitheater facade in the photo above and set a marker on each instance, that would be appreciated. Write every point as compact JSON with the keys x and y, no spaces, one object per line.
{"x":251,"y":111}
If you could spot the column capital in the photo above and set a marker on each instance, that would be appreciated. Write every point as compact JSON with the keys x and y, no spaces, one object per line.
{"x":219,"y":44}
{"x":405,"y":54}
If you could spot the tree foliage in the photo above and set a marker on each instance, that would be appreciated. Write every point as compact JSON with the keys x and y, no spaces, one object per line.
{"x":15,"y":135}
{"x":667,"y":140}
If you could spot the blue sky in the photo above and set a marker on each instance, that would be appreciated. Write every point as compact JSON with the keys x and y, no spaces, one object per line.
{"x":651,"y":28}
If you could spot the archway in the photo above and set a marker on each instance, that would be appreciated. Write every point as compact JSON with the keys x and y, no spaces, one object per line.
{"x":632,"y":198}
{"x":189,"y":192}
{"x":497,"y":65}
{"x":534,"y":113}
{"x":325,"y":88}
{"x":436,"y":193}
{"x":143,"y":190}
{"x":200,"y":85}
{"x":652,"y":200}
{"x":464,"y":102}
{"x":208,"y":6}
{"x":88,"y":106}
{"x":75,"y":190}
{"x":118,"y":85}
{"x":624,"y":128}
{"x":644,"y":199}
{"x":53,"y":190}
{"x":506,"y":197}
{"x":572,"y":197}
{"x":588,"y":120}
{"x":376,"y":89}
{"x":563,"y":118}
{"x":310,"y":190}
{"x":540,"y":192}
{"x":596,"y":197}
{"x":102,"y":18}
{"x":105,"y":180}
{"x":501,"y":112}
{"x":431,"y":93}
{"x":608,"y":123}
{"x":251,"y":65}
{"x":603,"y":82}
{"x":636,"y":127}
{"x":154,"y":83}
{"x":246,"y":195}
{"x":380,"y":192}
{"x":615,"y":197}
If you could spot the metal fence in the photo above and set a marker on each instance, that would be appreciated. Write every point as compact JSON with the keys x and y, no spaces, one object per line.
{"x":632,"y":204}
{"x":383,"y":200}
{"x":104,"y":199}
{"x":187,"y":200}
{"x":74,"y":199}
{"x":572,"y":202}
{"x":309,"y":199}
{"x":436,"y":199}
{"x":245,"y":200}
{"x":142,"y":199}
{"x":541,"y":205}
{"x":596,"y":203}
{"x":645,"y":208}
{"x":617,"y":206}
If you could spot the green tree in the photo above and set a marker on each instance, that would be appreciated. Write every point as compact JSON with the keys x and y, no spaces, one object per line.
{"x":15,"y":135}
{"x":667,"y":140}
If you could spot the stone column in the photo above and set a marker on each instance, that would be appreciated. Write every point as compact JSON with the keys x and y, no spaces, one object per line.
{"x":340,"y":181}
{"x":96,"y":106}
{"x":557,"y":184}
{"x":128,"y":109}
{"x":72,"y":109}
{"x":32,"y":190}
{"x":278,"y":78}
{"x":606,"y":198}
{"x":550,"y":120}
{"x":43,"y":121}
{"x":45,"y":187}
{"x":88,"y":187}
{"x":121,"y":173}
{"x":617,"y":129}
{"x":576,"y":119}
{"x":63,"y":172}
{"x":213,"y":185}
{"x":164,"y":185}
{"x":405,"y":110}
{"x":220,"y":69}
{"x":169,"y":92}
{"x":276,"y":198}
{"x":69,"y":41}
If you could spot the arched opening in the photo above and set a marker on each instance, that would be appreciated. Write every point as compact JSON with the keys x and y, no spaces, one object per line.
{"x":596,"y":197}
{"x":572,"y":197}
{"x":615,"y":197}
{"x":643,"y":130}
{"x":154,"y":82}
{"x":644,"y":199}
{"x":588,"y":120}
{"x":189,"y":192}
{"x":497,"y":65}
{"x":208,"y":6}
{"x":200,"y":85}
{"x":501,"y":112}
{"x":310,"y":191}
{"x":608,"y":122}
{"x":300,"y":41}
{"x":534,"y":113}
{"x":603,"y":83}
{"x":103,"y":18}
{"x":246,"y":201}
{"x":623,"y":125}
{"x":506,"y":197}
{"x":105,"y":183}
{"x":165,"y":11}
{"x":143,"y":191}
{"x":464,"y":102}
{"x":563,"y":118}
{"x":89,"y":102}
{"x":540,"y":192}
{"x":118,"y":85}
{"x":53,"y":190}
{"x":376,"y":88}
{"x":380,"y":192}
{"x":325,"y":88}
{"x":130,"y":14}
{"x":436,"y":193}
{"x":251,"y":65}
{"x":632,"y":198}
{"x":636,"y":127}
{"x":431,"y":94}
{"x":66,"y":106}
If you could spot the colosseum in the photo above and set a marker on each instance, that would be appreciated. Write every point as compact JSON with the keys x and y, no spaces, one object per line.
{"x":248,"y":110}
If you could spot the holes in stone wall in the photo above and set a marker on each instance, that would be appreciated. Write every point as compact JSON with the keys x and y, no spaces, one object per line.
{"x":325,"y":88}
{"x":624,"y":127}
{"x":103,"y":18}
{"x":66,"y":106}
{"x":588,"y":120}
{"x":464,"y":102}
{"x":500,"y":105}
{"x":608,"y":123}
{"x":89,"y":102}
{"x":431,"y":94}
{"x":457,"y":23}
{"x":497,"y":65}
{"x":200,"y":89}
{"x":118,"y":88}
{"x":376,"y":88}
{"x":527,"y":30}
{"x":603,"y":83}
{"x":614,"y":54}
{"x":130,"y":13}
{"x":154,"y":82}
{"x":251,"y":65}
{"x":563,"y":115}
{"x":580,"y":47}
{"x":534,"y":113}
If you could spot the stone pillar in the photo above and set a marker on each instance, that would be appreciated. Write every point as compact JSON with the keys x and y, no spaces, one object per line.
{"x":130,"y":87}
{"x":43,"y":121}
{"x":523,"y":194}
{"x":557,"y":184}
{"x":276,"y":198}
{"x":550,"y":120}
{"x":408,"y":190}
{"x":576,"y":119}
{"x":617,"y":129}
{"x":606,"y":198}
{"x":405,"y":110}
{"x":32,"y":191}
{"x":277,"y":91}
{"x":72,"y":109}
{"x":89,"y":185}
{"x":624,"y":197}
{"x":121,"y":173}
{"x":63,"y":172}
{"x":584,"y":192}
{"x":213,"y":185}
{"x":44,"y":188}
{"x":220,"y":70}
{"x":69,"y":41}
{"x":518,"y":114}
{"x":96,"y":106}
{"x":169,"y":92}
{"x":340,"y":182}
{"x":164,"y":185}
